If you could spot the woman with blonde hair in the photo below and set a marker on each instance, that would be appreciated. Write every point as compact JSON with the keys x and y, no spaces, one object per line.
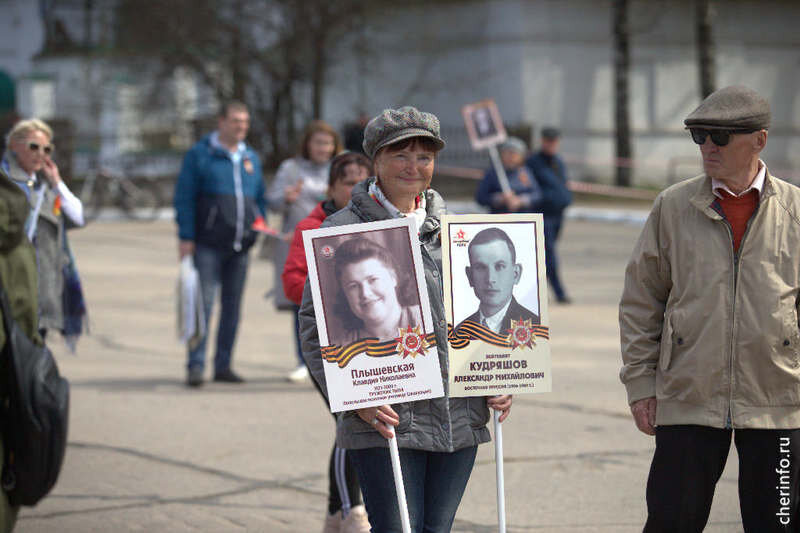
{"x":28,"y":162}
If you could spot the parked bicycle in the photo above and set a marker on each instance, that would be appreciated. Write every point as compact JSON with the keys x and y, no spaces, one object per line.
{"x":102,"y":189}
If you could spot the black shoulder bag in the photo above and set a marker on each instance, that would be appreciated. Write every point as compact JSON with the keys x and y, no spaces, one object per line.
{"x":34,"y":408}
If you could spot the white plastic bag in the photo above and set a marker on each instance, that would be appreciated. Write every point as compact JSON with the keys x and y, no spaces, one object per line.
{"x":191,"y":317}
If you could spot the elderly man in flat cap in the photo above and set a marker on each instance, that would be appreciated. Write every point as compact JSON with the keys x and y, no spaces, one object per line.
{"x":709,"y":328}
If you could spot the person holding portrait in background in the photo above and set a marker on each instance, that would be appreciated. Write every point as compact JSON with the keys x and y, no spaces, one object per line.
{"x":525,"y":195}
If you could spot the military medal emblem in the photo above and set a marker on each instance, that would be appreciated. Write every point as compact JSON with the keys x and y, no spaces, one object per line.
{"x":521,"y":334}
{"x":410,"y":342}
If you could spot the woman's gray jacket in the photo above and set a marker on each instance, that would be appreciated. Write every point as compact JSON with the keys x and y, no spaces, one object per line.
{"x":315,"y":183}
{"x":50,"y":255}
{"x":441,"y":424}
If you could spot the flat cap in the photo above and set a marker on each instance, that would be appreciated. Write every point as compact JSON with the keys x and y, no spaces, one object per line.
{"x":395,"y":125}
{"x":514,"y":144}
{"x":735,"y":108}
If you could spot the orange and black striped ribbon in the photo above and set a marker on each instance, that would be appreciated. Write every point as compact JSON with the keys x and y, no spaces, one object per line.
{"x":342,"y":355}
{"x":468,"y":331}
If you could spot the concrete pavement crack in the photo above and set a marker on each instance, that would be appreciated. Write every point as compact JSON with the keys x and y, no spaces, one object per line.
{"x":249,"y":485}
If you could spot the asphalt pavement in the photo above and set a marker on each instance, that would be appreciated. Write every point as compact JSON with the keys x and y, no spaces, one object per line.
{"x":148,"y":454}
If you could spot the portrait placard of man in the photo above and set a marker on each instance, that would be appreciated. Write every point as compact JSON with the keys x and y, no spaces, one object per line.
{"x":494,"y":285}
{"x":493,"y":272}
{"x":484,"y":124}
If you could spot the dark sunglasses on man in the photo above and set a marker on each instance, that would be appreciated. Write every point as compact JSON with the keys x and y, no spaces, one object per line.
{"x":36,"y":147}
{"x":718,"y":137}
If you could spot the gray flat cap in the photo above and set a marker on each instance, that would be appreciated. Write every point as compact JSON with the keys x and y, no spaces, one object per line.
{"x":735,"y":108}
{"x":394,"y":125}
{"x":514,"y":144}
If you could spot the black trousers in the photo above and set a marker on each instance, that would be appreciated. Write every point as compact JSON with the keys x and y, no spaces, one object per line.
{"x":344,"y":492}
{"x":689,"y":461}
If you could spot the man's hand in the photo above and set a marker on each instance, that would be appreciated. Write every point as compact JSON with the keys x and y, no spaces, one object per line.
{"x":185,"y":248}
{"x":644,"y":414}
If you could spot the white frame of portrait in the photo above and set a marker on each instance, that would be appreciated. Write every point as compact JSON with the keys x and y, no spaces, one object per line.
{"x":475,"y":140}
{"x":347,"y":391}
{"x":526,"y":231}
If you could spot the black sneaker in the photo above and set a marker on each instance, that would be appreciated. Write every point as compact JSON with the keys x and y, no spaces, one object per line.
{"x":194,"y":377}
{"x":227,"y":376}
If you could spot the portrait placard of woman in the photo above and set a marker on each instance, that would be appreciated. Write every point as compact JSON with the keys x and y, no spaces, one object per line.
{"x":376,"y":296}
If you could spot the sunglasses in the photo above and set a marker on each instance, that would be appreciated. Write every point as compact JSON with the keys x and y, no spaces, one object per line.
{"x":36,"y":147}
{"x":718,"y":137}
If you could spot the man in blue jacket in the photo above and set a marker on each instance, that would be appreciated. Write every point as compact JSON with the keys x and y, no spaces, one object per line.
{"x":218,"y":196}
{"x":551,"y":174}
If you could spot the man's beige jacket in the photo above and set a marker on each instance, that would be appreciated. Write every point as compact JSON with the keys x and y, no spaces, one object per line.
{"x":707,"y":331}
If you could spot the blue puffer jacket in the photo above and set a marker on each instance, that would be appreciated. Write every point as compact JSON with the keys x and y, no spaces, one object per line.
{"x":215,"y":203}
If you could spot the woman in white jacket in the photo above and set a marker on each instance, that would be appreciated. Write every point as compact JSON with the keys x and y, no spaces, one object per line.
{"x":28,"y":162}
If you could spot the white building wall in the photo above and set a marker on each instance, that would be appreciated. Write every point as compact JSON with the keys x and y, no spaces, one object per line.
{"x":549,"y":62}
{"x":21,"y":35}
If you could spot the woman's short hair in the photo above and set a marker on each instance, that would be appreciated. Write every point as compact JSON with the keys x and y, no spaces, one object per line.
{"x":319,"y":126}
{"x":425,"y":142}
{"x":23,"y":128}
{"x":340,"y":163}
{"x":359,"y":249}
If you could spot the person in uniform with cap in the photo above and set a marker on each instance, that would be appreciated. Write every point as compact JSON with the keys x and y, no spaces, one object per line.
{"x":438,"y":438}
{"x":709,"y":328}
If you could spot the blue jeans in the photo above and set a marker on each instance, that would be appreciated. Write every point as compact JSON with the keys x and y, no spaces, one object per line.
{"x":228,"y":269}
{"x":434,"y":483}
